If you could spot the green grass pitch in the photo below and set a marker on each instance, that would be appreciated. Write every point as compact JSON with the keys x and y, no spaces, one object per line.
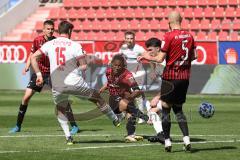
{"x":41,"y":137}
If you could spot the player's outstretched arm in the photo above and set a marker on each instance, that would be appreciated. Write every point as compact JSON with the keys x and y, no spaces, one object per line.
{"x":103,"y":88}
{"x":148,"y":56}
{"x":28,"y":64}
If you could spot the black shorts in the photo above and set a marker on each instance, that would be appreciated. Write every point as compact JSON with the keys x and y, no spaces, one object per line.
{"x":178,"y":95}
{"x":114,"y":103}
{"x":32,"y":84}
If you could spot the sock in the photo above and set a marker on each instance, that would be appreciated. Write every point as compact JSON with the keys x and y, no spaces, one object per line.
{"x":69,"y":115}
{"x":139,"y":101}
{"x":159,"y":105}
{"x":106,"y":109}
{"x":168,"y":142}
{"x":157,"y":123}
{"x":131,"y":126}
{"x":136,"y":112}
{"x":166,"y":122}
{"x":186,"y":140}
{"x":21,"y":113}
{"x":147,"y":105}
{"x":64,"y":124}
{"x":181,"y":119}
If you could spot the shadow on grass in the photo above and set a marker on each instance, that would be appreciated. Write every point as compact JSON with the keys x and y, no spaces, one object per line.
{"x":100,"y":141}
{"x":195,"y":150}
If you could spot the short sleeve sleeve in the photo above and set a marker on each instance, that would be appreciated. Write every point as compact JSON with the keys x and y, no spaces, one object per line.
{"x":165,"y":43}
{"x":45,"y":48}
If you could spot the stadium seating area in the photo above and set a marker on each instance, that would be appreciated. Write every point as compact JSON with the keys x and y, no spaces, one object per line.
{"x":108,"y":19}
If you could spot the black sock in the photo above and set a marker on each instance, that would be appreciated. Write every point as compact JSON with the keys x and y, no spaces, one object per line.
{"x":21,"y":113}
{"x":181,"y":119}
{"x":166,"y":122}
{"x":135,"y":112}
{"x":131,"y":125}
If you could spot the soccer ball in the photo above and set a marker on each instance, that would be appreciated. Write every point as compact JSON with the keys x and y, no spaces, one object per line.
{"x":206,"y":110}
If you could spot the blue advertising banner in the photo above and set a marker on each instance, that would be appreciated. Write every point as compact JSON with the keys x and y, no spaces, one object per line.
{"x":229,"y":52}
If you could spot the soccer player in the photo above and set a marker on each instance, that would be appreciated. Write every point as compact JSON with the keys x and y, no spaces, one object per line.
{"x":67,"y":61}
{"x":131,"y":51}
{"x":48,"y":30}
{"x":178,"y":48}
{"x":123,"y":89}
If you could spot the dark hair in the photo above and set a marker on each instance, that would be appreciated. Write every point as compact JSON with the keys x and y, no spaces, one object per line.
{"x":129,"y":33}
{"x":119,"y":57}
{"x":48,"y":22}
{"x":65,"y":27}
{"x":153,"y":42}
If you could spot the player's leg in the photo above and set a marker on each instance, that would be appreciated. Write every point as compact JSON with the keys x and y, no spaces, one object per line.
{"x":69,"y":114}
{"x":96,"y":98}
{"x":62,"y":103}
{"x":29,"y":92}
{"x":182,"y":122}
{"x":166,"y":124}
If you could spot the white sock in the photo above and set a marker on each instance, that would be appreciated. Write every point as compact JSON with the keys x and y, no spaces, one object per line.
{"x":147,"y":105}
{"x":159,"y":105}
{"x":107,"y":110}
{"x":186,"y":140}
{"x":168,"y":142}
{"x":139,"y":101}
{"x":157,"y":123}
{"x":64,"y":124}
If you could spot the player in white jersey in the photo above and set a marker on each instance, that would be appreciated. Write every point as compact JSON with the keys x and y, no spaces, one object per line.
{"x":131,"y":51}
{"x":67,"y":60}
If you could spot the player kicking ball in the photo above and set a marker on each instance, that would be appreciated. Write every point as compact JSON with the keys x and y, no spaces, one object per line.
{"x":123,"y":90}
{"x":67,"y":61}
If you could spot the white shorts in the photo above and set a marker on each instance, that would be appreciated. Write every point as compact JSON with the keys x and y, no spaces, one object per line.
{"x":75,"y":86}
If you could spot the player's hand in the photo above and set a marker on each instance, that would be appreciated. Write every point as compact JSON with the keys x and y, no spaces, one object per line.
{"x":39,"y":81}
{"x":24,"y":71}
{"x":140,"y":58}
{"x":128,"y":96}
{"x":154,"y":101}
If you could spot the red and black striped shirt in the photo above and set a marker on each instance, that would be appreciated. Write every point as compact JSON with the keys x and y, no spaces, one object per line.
{"x":118,"y":85}
{"x":179,"y":46}
{"x":43,"y":62}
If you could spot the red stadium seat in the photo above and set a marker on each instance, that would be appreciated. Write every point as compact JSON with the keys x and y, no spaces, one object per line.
{"x":183,"y":3}
{"x":90,"y":13}
{"x":234,"y":36}
{"x":154,"y":24}
{"x":226,"y":24}
{"x":212,"y":36}
{"x":198,"y":12}
{"x":223,"y":3}
{"x":215,"y":24}
{"x":39,"y":25}
{"x":219,"y":12}
{"x":139,"y":12}
{"x":54,"y":13}
{"x":233,"y":2}
{"x":26,"y":36}
{"x":208,"y":12}
{"x":230,"y":12}
{"x":74,"y":36}
{"x":119,"y":36}
{"x":185,"y":24}
{"x":134,"y":24}
{"x":223,"y":35}
{"x":188,"y":12}
{"x":149,"y":35}
{"x":72,"y":14}
{"x":77,"y":3}
{"x":77,"y":25}
{"x":164,"y":24}
{"x":194,"y":24}
{"x":159,"y":35}
{"x":204,"y":25}
{"x":201,"y":36}
{"x":144,"y":24}
{"x":171,"y":3}
{"x":148,"y":12}
{"x":236,"y":25}
{"x":67,"y":3}
{"x":140,"y":36}
{"x":158,"y":12}
{"x":100,"y":13}
{"x":129,"y":13}
{"x":237,"y":12}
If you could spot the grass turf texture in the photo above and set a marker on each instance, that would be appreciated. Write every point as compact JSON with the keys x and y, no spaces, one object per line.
{"x":42,"y":137}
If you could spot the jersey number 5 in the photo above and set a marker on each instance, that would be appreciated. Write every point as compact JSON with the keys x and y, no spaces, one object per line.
{"x":60,"y":57}
{"x":184,"y":57}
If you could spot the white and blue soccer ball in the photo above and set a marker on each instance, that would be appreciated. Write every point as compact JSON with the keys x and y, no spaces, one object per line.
{"x":206,"y":110}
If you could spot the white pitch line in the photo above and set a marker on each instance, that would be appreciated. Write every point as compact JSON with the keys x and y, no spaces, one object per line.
{"x":123,"y":146}
{"x":104,"y":135}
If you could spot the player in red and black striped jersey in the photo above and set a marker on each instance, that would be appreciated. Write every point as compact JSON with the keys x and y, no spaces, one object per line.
{"x":123,"y":89}
{"x":44,"y":65}
{"x":178,"y":48}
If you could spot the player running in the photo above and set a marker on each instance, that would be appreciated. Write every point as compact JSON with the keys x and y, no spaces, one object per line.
{"x":123,"y":89}
{"x":178,"y":49}
{"x":131,"y":51}
{"x":67,"y":61}
{"x":44,"y":66}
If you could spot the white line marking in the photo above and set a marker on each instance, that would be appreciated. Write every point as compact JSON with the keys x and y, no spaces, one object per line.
{"x":105,"y":135}
{"x":123,"y":146}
